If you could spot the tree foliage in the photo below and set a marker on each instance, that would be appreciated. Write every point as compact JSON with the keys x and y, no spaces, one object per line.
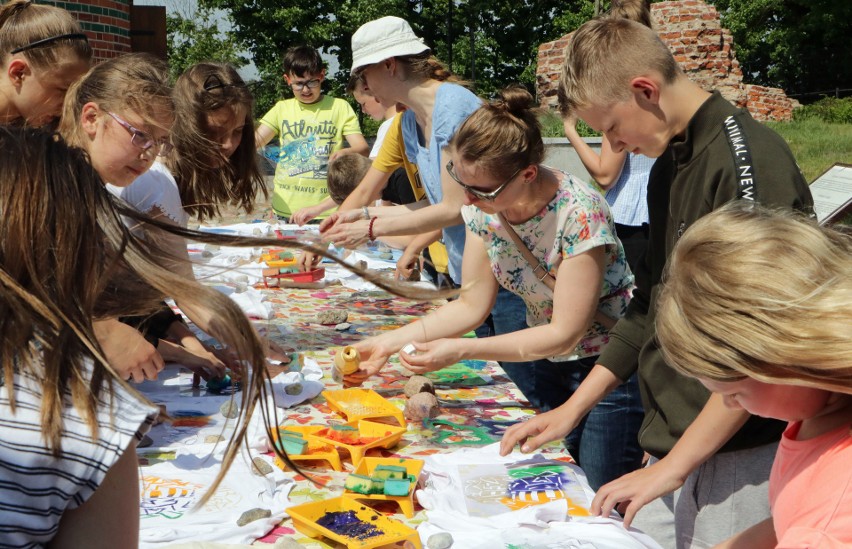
{"x":801,"y":46}
{"x":506,"y":35}
{"x":197,"y":37}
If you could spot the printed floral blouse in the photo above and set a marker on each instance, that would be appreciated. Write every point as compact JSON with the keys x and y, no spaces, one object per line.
{"x":576,"y":220}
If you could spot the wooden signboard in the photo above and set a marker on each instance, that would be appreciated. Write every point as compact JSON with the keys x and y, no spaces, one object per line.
{"x":832,"y":192}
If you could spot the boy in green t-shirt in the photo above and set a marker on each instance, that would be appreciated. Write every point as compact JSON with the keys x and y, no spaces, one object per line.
{"x":310,"y":128}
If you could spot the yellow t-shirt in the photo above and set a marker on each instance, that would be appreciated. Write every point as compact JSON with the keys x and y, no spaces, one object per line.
{"x":391,"y":157}
{"x":307,"y":135}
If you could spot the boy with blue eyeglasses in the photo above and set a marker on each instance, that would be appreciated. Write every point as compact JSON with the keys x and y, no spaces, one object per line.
{"x":310,"y":128}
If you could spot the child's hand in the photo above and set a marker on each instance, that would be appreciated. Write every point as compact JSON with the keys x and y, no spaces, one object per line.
{"x":432,"y":355}
{"x":127,"y":351}
{"x":303,"y":215}
{"x":543,"y":428}
{"x":634,"y":490}
{"x":406,"y":264}
{"x":308,"y":261}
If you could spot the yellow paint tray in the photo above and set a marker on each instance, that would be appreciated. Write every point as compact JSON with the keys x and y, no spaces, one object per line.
{"x":355,"y":404}
{"x":318,"y":449}
{"x":387,"y":436}
{"x":369,"y":464}
{"x":305,"y":519}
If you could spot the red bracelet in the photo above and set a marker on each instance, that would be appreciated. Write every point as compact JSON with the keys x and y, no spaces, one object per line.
{"x":370,"y":230}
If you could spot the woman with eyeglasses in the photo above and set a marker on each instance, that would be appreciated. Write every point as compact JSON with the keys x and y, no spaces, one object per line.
{"x":512,"y":200}
{"x":43,"y":50}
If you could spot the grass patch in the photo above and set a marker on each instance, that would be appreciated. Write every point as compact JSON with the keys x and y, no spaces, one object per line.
{"x":816,"y":144}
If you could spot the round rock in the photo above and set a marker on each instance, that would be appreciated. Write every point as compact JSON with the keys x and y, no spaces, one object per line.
{"x":421,"y":406}
{"x":440,"y":541}
{"x":332,"y":317}
{"x":252,"y":515}
{"x":418,"y":384}
{"x":229,"y":409}
{"x":260,"y":467}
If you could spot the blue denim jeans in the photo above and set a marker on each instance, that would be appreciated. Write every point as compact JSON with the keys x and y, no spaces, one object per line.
{"x":510,"y":315}
{"x":605,"y":443}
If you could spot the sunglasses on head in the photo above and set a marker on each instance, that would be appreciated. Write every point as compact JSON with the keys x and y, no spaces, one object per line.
{"x":487,"y":196}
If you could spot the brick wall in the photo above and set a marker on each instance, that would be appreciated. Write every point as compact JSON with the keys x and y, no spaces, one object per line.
{"x":106,"y":22}
{"x":705,"y":50}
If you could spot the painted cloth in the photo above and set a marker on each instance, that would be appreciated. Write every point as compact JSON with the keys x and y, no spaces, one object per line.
{"x":810,"y":490}
{"x":391,"y":157}
{"x":628,"y":198}
{"x":36,"y":488}
{"x":307,"y":135}
{"x":693,"y":177}
{"x":155,"y":188}
{"x":169,"y":511}
{"x":453,"y":104}
{"x":575,"y":221}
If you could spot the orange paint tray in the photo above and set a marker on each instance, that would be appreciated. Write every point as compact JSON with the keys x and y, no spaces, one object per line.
{"x":318,"y":449}
{"x":386,"y":436}
{"x":369,"y":464}
{"x":355,"y":404}
{"x":305,"y":519}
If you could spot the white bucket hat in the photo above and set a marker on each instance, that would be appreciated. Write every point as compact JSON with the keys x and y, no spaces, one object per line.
{"x":382,"y":39}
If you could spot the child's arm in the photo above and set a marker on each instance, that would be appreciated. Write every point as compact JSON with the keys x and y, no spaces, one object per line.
{"x":117,"y":498}
{"x":411,"y":255}
{"x":604,"y":168}
{"x":713,"y":427}
{"x":127,"y":351}
{"x":357,"y":145}
{"x":263,"y":134}
{"x":303,"y":215}
{"x":759,"y":536}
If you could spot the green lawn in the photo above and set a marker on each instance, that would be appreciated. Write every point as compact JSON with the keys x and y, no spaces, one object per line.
{"x":816,"y":144}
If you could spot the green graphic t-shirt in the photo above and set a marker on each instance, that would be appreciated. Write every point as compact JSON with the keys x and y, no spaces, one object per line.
{"x":307,"y":135}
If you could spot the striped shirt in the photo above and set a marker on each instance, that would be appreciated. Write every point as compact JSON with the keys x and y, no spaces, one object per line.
{"x":628,"y":198}
{"x":35,"y":487}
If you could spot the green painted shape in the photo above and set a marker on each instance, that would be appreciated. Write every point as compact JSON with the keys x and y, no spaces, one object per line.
{"x":477,"y":435}
{"x":456,"y":374}
{"x":523,"y":472}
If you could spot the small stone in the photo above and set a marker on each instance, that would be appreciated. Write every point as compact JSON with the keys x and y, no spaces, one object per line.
{"x":332,"y":317}
{"x":145,"y":442}
{"x":229,"y":409}
{"x":240,"y":287}
{"x":256,"y":231}
{"x":421,"y":406}
{"x":241,"y":278}
{"x":287,"y":543}
{"x":213,"y":439}
{"x":252,"y":515}
{"x":293,"y":389}
{"x":440,"y":541}
{"x":361,"y":264}
{"x":385,"y":255}
{"x":206,"y":253}
{"x":418,"y":384}
{"x":342,"y":327}
{"x":260,"y":467}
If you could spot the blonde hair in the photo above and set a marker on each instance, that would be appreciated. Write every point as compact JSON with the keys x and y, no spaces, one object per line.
{"x":23,"y":23}
{"x":635,"y":10}
{"x":757,"y":293}
{"x":344,"y":174}
{"x":136,"y":81}
{"x":205,"y":185}
{"x":502,"y":136}
{"x":601,"y":58}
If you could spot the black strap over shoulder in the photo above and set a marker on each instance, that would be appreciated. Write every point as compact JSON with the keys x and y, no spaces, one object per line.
{"x":742,"y":158}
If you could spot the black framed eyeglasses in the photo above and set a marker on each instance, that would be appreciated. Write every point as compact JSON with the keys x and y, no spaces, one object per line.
{"x":487,"y":196}
{"x":142,"y":140}
{"x":311,"y":84}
